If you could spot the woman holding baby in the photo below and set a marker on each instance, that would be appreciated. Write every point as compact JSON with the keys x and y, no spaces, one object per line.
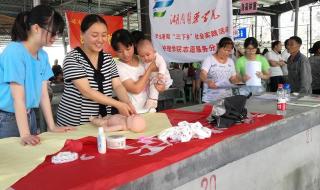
{"x":133,"y":73}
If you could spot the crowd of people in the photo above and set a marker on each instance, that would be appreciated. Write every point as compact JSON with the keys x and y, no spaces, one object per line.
{"x":91,"y":76}
{"x":225,"y":70}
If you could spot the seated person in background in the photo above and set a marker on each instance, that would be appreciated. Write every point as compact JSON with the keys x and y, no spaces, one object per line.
{"x":148,"y":55}
{"x":315,"y":67}
{"x":58,"y":79}
{"x":117,"y":122}
{"x":56,"y":68}
{"x":177,"y":76}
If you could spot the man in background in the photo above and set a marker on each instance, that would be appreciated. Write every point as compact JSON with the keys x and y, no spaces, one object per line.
{"x":299,"y":70}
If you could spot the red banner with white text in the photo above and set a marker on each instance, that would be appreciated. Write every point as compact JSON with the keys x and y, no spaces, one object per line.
{"x":74,"y":21}
{"x":248,"y":6}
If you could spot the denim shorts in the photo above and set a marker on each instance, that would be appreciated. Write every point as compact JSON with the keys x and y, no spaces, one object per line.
{"x":9,"y":127}
{"x":255,"y":90}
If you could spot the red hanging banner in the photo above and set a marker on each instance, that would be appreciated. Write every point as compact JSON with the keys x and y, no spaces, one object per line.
{"x":248,"y":6}
{"x":74,"y":21}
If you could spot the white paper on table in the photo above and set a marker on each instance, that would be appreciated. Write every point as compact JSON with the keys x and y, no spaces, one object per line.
{"x":310,"y":99}
{"x":267,"y":96}
{"x":224,"y":84}
{"x":252,"y":67}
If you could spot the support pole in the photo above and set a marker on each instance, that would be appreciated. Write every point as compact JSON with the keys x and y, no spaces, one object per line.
{"x":128,"y":20}
{"x":275,"y":27}
{"x":256,"y":26}
{"x":64,"y":44}
{"x":296,"y":22}
{"x":308,"y":40}
{"x":99,"y":7}
{"x":145,"y":22}
{"x":139,"y":14}
{"x":36,"y":2}
{"x":252,"y":30}
{"x":310,"y":26}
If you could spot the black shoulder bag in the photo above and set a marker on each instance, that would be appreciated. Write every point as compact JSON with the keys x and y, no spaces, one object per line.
{"x":235,"y":112}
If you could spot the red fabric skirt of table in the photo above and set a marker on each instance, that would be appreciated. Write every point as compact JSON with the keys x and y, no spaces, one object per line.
{"x":118,"y":167}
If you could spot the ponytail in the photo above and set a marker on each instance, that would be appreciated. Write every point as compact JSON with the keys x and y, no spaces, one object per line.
{"x":20,"y":27}
{"x":42,"y":15}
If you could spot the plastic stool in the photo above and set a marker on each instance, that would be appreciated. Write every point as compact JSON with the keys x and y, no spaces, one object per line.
{"x":199,"y":92}
{"x":188,"y":90}
{"x":182,"y":96}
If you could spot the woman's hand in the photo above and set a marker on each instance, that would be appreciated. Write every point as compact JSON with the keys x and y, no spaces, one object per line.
{"x":30,"y":140}
{"x":212,"y":84}
{"x":259,"y":74}
{"x":245,"y":78}
{"x":61,"y":129}
{"x":132,"y":108}
{"x":153,"y":67}
{"x":125,"y":109}
{"x":160,"y":87}
{"x":234,"y":79}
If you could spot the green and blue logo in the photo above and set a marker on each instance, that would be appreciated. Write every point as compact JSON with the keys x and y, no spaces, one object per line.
{"x":159,"y":8}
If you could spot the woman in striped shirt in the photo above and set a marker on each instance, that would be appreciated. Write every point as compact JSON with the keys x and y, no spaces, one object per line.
{"x":90,"y":76}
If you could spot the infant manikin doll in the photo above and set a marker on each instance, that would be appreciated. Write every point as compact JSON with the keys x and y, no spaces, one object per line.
{"x":148,"y":55}
{"x":117,"y":122}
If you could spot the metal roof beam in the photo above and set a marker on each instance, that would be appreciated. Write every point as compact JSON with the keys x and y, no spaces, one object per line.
{"x":285,"y":7}
{"x":275,"y":9}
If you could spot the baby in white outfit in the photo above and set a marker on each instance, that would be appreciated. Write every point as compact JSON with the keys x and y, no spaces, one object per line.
{"x":148,"y":55}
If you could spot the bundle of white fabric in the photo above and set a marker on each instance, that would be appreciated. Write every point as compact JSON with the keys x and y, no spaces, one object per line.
{"x":185,"y":131}
{"x":64,"y":157}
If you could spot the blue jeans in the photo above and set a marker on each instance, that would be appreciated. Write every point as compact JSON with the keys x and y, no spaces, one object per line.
{"x":9,"y":127}
{"x":255,"y":90}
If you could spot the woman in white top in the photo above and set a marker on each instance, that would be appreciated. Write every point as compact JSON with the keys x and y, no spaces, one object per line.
{"x":218,"y":72}
{"x":133,"y":75}
{"x":276,"y":62}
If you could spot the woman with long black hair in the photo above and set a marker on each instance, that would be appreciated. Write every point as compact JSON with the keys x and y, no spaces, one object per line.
{"x":24,"y":74}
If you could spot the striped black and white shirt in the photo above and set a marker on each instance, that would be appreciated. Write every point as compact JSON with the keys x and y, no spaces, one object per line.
{"x":75,"y":109}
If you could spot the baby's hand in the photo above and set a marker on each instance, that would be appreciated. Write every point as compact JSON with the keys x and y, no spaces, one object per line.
{"x":153,"y":67}
{"x":160,"y":78}
{"x":91,"y":118}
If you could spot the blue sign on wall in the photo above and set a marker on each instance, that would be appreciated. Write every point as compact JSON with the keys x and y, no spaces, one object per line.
{"x":242,"y":33}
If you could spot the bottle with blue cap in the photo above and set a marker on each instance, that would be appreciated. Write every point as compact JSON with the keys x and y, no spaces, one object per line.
{"x":287,"y":91}
{"x":281,"y":100}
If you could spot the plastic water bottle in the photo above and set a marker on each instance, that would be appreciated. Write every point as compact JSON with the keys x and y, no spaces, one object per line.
{"x":287,"y":89}
{"x":281,"y":98}
{"x":101,"y":139}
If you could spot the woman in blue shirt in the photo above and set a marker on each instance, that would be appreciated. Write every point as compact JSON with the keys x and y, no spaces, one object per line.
{"x":24,"y":71}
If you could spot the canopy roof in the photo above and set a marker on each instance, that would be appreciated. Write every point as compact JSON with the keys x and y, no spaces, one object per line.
{"x":10,"y":8}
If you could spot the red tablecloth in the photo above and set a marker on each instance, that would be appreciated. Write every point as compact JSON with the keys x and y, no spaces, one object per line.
{"x":118,"y":167}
